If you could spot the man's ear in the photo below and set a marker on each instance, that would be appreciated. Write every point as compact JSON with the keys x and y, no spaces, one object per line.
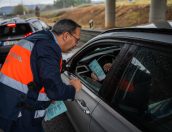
{"x":63,"y":38}
{"x":65,"y":35}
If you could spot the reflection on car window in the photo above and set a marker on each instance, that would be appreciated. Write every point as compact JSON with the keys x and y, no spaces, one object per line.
{"x":92,"y":67}
{"x":44,"y":25}
{"x":144,"y":94}
{"x":37,"y":25}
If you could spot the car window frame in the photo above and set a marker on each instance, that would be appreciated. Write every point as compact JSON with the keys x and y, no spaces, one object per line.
{"x":118,"y":65}
{"x":71,"y":63}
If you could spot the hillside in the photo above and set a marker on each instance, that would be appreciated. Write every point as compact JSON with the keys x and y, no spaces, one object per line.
{"x":9,"y":10}
{"x":126,"y":14}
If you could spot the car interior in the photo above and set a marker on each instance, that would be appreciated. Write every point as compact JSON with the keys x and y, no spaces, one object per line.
{"x":93,"y":62}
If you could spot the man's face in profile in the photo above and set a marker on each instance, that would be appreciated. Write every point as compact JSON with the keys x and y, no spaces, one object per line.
{"x":72,"y":40}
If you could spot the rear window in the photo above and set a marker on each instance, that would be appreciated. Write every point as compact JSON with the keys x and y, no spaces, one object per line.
{"x":37,"y":25}
{"x":14,"y":30}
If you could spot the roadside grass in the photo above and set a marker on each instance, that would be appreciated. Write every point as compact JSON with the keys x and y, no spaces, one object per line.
{"x":138,"y":2}
{"x":134,"y":2}
{"x":127,"y":14}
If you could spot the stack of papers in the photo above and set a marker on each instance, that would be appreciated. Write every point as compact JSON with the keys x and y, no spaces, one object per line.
{"x":56,"y":108}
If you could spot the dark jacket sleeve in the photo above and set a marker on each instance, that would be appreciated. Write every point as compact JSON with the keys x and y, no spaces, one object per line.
{"x":48,"y":56}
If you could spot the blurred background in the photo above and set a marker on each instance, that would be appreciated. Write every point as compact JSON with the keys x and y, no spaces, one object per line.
{"x":85,"y":12}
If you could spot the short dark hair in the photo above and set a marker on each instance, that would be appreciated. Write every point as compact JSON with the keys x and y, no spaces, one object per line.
{"x":65,"y":25}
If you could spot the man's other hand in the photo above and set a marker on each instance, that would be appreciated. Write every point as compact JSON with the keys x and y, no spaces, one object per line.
{"x":76,"y":84}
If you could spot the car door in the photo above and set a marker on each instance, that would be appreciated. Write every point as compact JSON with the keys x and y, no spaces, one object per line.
{"x":104,"y":117}
{"x":80,"y":110}
{"x":143,"y":94}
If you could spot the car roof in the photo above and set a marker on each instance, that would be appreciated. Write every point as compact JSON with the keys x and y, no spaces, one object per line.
{"x":140,"y":34}
{"x":160,"y":24}
{"x":13,"y":20}
{"x":31,"y":20}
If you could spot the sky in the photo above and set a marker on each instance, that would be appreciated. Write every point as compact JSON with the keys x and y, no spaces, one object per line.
{"x":26,"y":2}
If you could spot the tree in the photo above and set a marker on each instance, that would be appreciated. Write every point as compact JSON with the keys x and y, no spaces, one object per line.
{"x":19,"y":10}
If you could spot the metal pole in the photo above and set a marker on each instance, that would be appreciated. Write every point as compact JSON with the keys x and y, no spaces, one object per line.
{"x":110,"y":13}
{"x":157,"y":10}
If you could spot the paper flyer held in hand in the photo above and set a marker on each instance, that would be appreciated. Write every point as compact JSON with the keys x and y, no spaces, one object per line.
{"x":96,"y":68}
{"x":56,"y":108}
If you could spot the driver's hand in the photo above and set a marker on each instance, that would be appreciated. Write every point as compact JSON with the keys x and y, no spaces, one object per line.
{"x":107,"y":66}
{"x":76,"y":84}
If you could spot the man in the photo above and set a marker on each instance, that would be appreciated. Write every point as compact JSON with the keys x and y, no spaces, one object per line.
{"x":30,"y":77}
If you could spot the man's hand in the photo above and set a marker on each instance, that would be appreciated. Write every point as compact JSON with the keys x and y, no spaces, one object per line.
{"x":76,"y":84}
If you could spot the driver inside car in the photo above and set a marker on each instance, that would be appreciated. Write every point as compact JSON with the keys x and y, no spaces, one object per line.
{"x":106,"y":68}
{"x":101,"y":68}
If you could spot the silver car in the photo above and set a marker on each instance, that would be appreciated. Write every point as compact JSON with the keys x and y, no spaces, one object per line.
{"x":134,"y":93}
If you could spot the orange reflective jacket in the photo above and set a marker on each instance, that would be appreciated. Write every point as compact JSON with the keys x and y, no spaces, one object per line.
{"x":17,"y":72}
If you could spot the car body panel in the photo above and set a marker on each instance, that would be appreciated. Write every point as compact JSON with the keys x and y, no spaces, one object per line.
{"x":105,"y":119}
{"x":160,"y":24}
{"x":79,"y":117}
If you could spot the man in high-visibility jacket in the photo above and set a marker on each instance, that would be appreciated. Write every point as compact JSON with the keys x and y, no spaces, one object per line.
{"x":30,"y":77}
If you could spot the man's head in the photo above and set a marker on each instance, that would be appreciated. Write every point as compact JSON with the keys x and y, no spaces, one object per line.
{"x":67,"y":33}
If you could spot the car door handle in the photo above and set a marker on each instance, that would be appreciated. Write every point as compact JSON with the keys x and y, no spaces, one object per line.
{"x":83,"y":106}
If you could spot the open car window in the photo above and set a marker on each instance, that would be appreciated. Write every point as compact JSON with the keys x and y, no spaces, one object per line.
{"x":91,"y":67}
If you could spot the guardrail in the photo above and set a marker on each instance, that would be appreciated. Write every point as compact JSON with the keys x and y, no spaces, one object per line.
{"x":89,"y":34}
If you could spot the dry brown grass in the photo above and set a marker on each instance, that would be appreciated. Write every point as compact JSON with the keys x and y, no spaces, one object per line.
{"x":126,"y":15}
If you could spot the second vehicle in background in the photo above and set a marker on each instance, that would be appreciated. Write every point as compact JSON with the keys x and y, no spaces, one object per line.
{"x":12,"y":30}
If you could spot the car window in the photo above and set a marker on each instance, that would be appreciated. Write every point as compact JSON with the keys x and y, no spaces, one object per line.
{"x":37,"y":25}
{"x":144,"y":94}
{"x":12,"y":30}
{"x":90,"y":68}
{"x":44,"y":25}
